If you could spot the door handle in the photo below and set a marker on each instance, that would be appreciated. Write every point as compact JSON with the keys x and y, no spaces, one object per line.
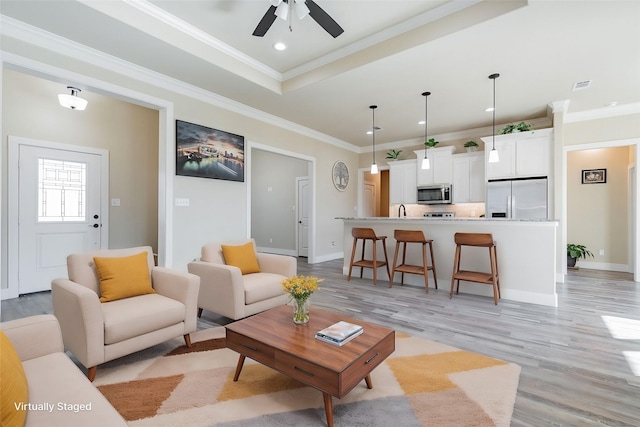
{"x":95,"y":225}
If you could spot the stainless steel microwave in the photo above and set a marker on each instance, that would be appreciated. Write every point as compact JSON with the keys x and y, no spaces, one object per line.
{"x":435,"y":194}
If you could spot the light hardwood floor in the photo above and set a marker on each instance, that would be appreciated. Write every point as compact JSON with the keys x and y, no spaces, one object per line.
{"x":576,"y":370}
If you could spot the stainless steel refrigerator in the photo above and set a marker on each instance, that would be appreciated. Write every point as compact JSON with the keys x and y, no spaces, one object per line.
{"x":522,"y":198}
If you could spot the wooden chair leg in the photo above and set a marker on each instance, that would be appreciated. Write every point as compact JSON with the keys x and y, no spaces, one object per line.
{"x":425,"y":267}
{"x":395,"y":263}
{"x":364,"y":244}
{"x":456,"y":267}
{"x":375,"y":263}
{"x":386,"y":259}
{"x":433,"y":265}
{"x":353,"y":254}
{"x":187,"y":340}
{"x":91,"y":373}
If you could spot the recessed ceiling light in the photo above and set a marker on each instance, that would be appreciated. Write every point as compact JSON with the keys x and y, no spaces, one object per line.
{"x":611,"y":104}
{"x":421,"y":122}
{"x":377,"y":128}
{"x":279,"y":46}
{"x":489,"y":109}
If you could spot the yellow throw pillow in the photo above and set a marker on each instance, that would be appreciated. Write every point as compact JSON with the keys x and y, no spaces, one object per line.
{"x":123,"y":277}
{"x":13,"y":385}
{"x":243,"y":257}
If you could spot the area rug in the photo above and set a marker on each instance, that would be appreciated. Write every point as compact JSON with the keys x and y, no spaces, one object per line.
{"x":423,"y":383}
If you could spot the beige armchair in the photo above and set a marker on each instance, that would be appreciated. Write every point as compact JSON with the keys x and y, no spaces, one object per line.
{"x":98,"y":332}
{"x":226,"y":291}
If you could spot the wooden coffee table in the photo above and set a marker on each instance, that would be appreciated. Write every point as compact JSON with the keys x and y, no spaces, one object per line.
{"x":272,"y":339}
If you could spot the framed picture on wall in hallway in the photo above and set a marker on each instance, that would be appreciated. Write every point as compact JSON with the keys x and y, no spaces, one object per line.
{"x":208,"y":153}
{"x":594,"y":176}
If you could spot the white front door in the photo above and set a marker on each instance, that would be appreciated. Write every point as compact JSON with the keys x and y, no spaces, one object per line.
{"x":303,"y":216}
{"x":59,"y":212}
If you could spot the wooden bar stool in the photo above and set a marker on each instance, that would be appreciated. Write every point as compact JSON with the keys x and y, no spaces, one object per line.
{"x":478,"y":240}
{"x":365,"y":234}
{"x":413,"y":236}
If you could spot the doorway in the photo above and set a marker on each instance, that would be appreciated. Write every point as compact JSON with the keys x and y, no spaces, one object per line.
{"x":57,"y":199}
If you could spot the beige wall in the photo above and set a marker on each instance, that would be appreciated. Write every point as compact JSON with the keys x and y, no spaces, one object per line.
{"x":608,"y":129}
{"x":597,"y":214}
{"x":129,"y":132}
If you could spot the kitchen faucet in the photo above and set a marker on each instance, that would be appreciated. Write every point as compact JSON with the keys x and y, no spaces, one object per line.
{"x":404,"y":209}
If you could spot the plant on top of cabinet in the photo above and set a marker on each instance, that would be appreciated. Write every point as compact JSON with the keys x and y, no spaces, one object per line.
{"x":393,"y":154}
{"x":431,"y":142}
{"x":471,"y":145}
{"x":513,"y":128}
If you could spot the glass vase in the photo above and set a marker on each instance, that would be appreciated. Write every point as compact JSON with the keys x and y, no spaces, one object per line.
{"x":300,"y":311}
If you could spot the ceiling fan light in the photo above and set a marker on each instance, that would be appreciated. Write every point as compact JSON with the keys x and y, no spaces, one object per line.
{"x":301,"y":9}
{"x":282,"y":11}
{"x":276,"y":2}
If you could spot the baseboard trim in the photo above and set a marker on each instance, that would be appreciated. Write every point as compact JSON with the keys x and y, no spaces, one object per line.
{"x":277,"y":251}
{"x":624,"y":268}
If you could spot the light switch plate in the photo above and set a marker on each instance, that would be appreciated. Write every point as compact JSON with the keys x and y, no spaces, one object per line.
{"x":115,"y":202}
{"x":183,"y":202}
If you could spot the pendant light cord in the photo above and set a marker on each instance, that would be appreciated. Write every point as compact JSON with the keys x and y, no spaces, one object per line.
{"x":426,"y":117}
{"x":373,"y":131}
{"x":494,"y":77}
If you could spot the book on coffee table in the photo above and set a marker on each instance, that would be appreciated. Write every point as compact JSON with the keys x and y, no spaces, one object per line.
{"x":339,"y":333}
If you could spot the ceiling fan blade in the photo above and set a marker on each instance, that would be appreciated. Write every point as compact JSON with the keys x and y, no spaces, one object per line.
{"x":266,"y":22}
{"x":323,"y":19}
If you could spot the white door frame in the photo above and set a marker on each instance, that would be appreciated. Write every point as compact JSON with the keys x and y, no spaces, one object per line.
{"x":311,"y":259}
{"x":635,"y":198}
{"x":166,"y":132}
{"x":13,"y":194}
{"x":298,"y":210}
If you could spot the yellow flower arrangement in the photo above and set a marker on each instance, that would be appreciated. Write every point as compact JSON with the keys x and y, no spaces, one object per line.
{"x":300,"y":288}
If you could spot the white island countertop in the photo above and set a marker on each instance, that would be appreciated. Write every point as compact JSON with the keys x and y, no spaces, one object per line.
{"x":526,"y":253}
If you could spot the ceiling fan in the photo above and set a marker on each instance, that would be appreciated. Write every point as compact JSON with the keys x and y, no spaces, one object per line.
{"x":285,"y":8}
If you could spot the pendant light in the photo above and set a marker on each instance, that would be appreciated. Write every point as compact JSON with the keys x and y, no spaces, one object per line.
{"x":374,"y":167}
{"x":425,"y":161}
{"x":73,"y":101}
{"x":493,"y":154}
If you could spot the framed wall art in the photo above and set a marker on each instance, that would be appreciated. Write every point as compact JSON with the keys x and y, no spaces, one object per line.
{"x":340,"y":174}
{"x":594,"y":176}
{"x":208,"y":153}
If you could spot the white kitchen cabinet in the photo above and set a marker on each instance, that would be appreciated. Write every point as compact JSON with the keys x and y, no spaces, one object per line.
{"x":468,"y":178}
{"x":441,"y":170}
{"x":402,"y":182}
{"x":522,"y":155}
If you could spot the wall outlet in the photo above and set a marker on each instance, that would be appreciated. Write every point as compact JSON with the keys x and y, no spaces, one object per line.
{"x":601,"y":252}
{"x":333,"y":244}
{"x":270,"y":240}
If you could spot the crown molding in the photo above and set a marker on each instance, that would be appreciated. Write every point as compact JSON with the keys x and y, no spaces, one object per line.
{"x":603,"y":113}
{"x":29,"y":34}
{"x":173,"y":21}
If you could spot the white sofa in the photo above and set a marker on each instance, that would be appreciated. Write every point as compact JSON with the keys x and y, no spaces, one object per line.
{"x":98,"y":332}
{"x":226,"y":291}
{"x":53,"y":378}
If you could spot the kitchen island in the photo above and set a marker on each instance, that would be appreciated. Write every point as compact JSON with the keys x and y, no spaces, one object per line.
{"x":526,"y":254}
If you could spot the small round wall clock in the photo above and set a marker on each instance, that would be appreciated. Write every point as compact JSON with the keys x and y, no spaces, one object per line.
{"x":340,"y":175}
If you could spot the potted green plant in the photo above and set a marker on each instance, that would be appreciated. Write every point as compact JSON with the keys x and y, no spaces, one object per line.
{"x":431,"y":142}
{"x":471,"y":146}
{"x":575,"y":252}
{"x":393,"y":154}
{"x":514,"y":128}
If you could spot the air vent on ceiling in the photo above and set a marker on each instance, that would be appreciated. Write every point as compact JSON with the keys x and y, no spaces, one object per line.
{"x":582,"y":85}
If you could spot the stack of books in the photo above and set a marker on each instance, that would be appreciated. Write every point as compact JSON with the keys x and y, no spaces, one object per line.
{"x":339,"y":333}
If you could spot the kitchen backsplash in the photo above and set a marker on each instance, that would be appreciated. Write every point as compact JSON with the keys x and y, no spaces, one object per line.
{"x":461,"y":210}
